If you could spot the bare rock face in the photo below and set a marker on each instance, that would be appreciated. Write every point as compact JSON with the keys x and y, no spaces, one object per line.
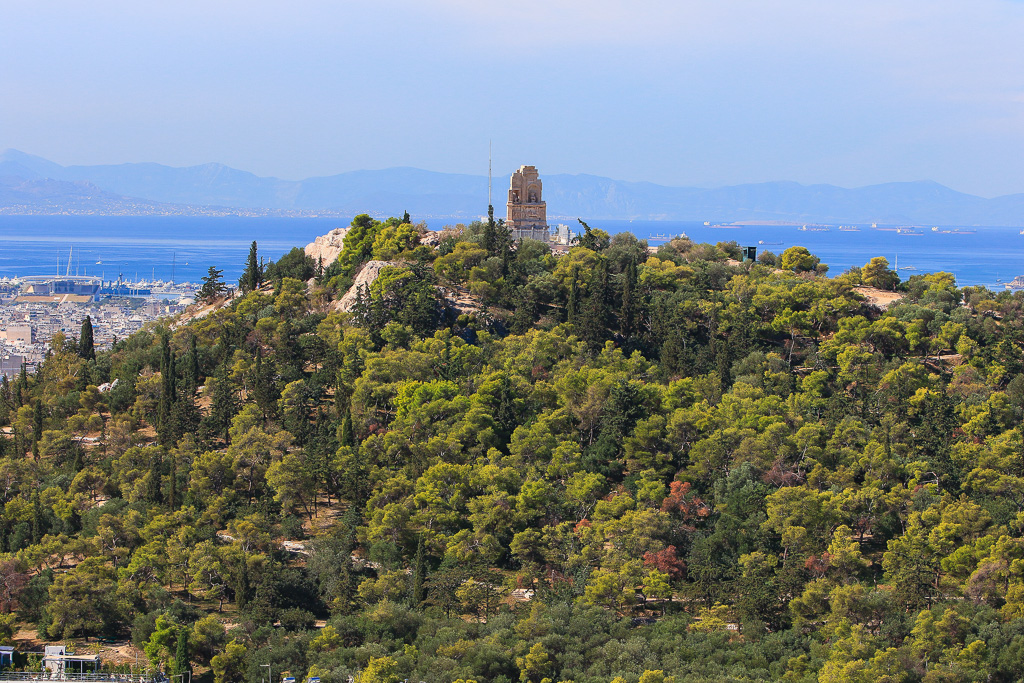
{"x":432,"y":238}
{"x":364,"y":278}
{"x":326,"y":248}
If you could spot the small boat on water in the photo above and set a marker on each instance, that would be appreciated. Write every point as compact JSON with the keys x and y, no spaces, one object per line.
{"x":769,"y":243}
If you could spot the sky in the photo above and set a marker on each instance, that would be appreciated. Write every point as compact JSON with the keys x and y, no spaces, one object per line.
{"x":681,"y":92}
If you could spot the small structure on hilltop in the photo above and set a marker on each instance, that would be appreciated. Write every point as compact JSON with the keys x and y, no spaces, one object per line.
{"x":527,"y":211}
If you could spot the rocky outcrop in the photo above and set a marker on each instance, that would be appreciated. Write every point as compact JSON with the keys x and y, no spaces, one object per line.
{"x":325,"y":249}
{"x":432,"y":238}
{"x":364,"y":278}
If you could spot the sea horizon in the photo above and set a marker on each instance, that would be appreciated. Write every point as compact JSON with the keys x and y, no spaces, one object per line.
{"x":182,"y":248}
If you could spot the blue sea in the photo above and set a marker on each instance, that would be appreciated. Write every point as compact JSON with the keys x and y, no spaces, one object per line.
{"x":163,"y":247}
{"x":989,"y":256}
{"x":148,"y":247}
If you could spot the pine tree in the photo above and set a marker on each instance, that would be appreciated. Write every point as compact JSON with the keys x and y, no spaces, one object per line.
{"x":213,"y":285}
{"x":85,"y":344}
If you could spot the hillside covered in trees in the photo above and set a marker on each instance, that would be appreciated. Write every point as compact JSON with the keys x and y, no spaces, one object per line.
{"x":503,"y":465}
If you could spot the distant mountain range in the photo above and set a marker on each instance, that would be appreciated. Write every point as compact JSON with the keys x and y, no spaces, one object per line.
{"x":31,"y":184}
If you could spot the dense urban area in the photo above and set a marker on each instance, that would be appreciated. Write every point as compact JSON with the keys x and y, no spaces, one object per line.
{"x":28,"y":321}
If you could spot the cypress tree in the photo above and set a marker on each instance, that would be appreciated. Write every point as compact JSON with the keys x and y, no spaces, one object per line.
{"x":37,"y":426}
{"x":168,"y":392}
{"x":264,"y":388}
{"x":242,"y":592}
{"x":172,"y":484}
{"x":419,"y":576}
{"x":22,"y":386}
{"x":85,"y":345}
{"x":525,"y":313}
{"x":489,"y":241}
{"x":345,"y":436}
{"x":593,"y":326}
{"x":37,"y":517}
{"x":223,"y":406}
{"x":627,"y":314}
{"x":155,"y":474}
{"x":181,"y":657}
{"x":191,"y":370}
{"x":252,"y":278}
{"x":6,"y":398}
{"x":572,"y":307}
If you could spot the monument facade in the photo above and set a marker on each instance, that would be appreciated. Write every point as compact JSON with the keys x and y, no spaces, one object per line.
{"x":527,"y":216}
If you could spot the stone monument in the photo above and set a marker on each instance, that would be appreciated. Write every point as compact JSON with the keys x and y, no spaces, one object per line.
{"x":527,"y":212}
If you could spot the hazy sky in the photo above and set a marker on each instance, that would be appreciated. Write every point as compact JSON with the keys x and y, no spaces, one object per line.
{"x":676,"y":92}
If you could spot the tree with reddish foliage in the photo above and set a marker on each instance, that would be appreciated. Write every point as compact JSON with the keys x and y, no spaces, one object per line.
{"x":817,"y":566}
{"x":666,"y":561}
{"x":12,"y":582}
{"x":680,"y":501}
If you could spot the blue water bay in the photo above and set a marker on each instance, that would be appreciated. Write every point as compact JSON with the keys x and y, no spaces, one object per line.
{"x":148,"y":246}
{"x":185,"y":246}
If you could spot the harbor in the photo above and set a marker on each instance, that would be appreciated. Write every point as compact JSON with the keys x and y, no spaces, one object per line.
{"x":91,"y":289}
{"x":35,"y":309}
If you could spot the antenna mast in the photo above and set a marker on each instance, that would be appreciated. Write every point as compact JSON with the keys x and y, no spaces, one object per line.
{"x":489,"y":202}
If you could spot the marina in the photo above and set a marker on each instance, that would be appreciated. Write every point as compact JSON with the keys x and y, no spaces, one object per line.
{"x":88,"y":289}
